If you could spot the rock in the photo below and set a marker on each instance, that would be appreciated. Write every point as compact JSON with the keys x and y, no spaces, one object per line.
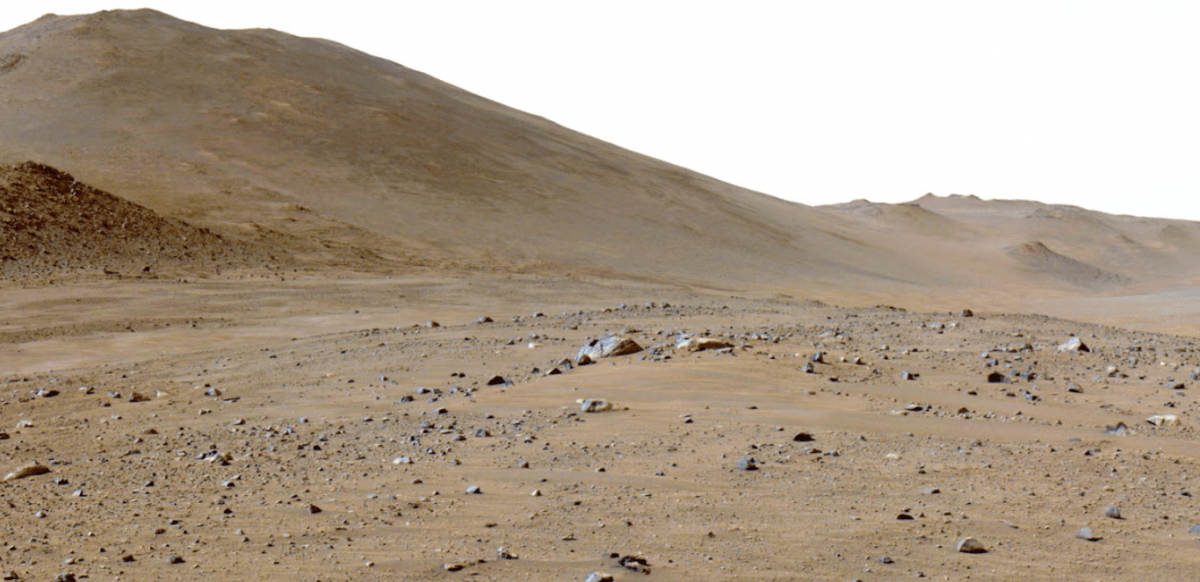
{"x":634,"y":564}
{"x":1194,"y":530}
{"x":453,"y":566}
{"x":996,"y":378}
{"x":747,"y":464}
{"x":503,"y":554}
{"x":966,"y":313}
{"x":175,"y":559}
{"x":1074,"y":389}
{"x":699,"y":344}
{"x":1118,"y":430}
{"x":802,"y":437}
{"x":1112,"y":511}
{"x":1163,"y":420}
{"x":607,"y":346}
{"x":971,"y":545}
{"x":1087,"y":535}
{"x":595,"y":405}
{"x":65,"y":577}
{"x":906,"y":375}
{"x":432,"y":324}
{"x":483,"y":319}
{"x":598,"y":577}
{"x":314,"y":509}
{"x":27,"y":471}
{"x":497,"y":380}
{"x":474,"y":490}
{"x":1074,"y":345}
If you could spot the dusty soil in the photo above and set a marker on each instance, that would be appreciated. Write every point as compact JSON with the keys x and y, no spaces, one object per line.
{"x":313,"y":393}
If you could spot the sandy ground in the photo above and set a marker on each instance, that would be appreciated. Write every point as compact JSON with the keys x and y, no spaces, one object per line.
{"x":265,"y":400}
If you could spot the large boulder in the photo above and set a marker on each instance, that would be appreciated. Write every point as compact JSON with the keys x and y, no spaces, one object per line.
{"x":606,"y":347}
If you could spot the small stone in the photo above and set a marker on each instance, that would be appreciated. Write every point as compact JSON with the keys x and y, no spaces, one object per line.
{"x":474,"y":490}
{"x":496,"y":381}
{"x":598,"y":577}
{"x":971,"y":545}
{"x":802,"y":437}
{"x":1194,"y":530}
{"x":314,"y":509}
{"x":1112,"y":511}
{"x":966,"y":313}
{"x":65,"y":577}
{"x":503,"y":554}
{"x":906,"y":375}
{"x":1087,"y":535}
{"x":747,"y":464}
{"x":595,"y":405}
{"x":176,"y":559}
{"x":453,"y":566}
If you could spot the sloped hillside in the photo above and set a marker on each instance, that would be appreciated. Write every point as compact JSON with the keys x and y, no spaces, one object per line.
{"x":53,"y":223}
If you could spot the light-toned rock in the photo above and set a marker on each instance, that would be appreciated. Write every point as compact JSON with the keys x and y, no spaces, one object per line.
{"x":27,"y":471}
{"x":971,"y":545}
{"x":699,"y":344}
{"x":1074,"y":345}
{"x":1163,"y":420}
{"x":607,"y":346}
{"x":594,"y":405}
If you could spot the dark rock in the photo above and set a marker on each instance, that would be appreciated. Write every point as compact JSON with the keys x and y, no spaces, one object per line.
{"x":966,"y":313}
{"x":802,"y":437}
{"x":313,"y":508}
{"x":176,"y":559}
{"x":996,"y":378}
{"x":474,"y":490}
{"x":496,"y":381}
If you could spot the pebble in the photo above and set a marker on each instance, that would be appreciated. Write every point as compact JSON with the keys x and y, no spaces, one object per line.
{"x":1112,"y":511}
{"x":1087,"y":535}
{"x":598,"y":577}
{"x":474,"y":490}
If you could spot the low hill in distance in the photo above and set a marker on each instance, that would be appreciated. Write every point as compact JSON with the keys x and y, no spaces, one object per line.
{"x":55,"y":225}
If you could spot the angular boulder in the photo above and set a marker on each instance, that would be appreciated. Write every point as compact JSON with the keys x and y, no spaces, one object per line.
{"x":607,"y":346}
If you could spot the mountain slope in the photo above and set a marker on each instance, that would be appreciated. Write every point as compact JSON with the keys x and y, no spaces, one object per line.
{"x":232,"y":129}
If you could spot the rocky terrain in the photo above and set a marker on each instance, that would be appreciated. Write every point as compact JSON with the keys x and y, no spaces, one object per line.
{"x":804,"y":440}
{"x":275,"y":309}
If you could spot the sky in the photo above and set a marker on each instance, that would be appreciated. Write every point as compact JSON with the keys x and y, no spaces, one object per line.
{"x":1093,"y":103}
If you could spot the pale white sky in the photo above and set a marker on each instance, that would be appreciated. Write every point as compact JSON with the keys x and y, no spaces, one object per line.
{"x":1091,"y":102}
